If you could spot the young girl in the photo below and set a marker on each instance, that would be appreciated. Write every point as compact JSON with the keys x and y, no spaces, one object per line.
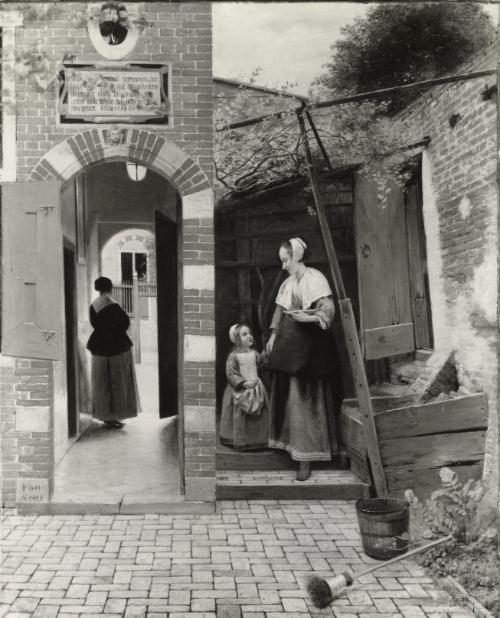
{"x":244,"y":421}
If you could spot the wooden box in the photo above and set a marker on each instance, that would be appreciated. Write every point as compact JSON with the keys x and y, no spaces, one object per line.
{"x":417,"y":439}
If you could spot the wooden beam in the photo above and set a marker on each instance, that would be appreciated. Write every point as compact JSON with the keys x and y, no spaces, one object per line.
{"x":349,"y":324}
{"x":457,"y":414}
{"x":320,"y":143}
{"x":426,"y":83}
{"x":274,"y":234}
{"x":363,"y":395}
{"x":322,"y":217}
{"x":434,"y":451}
{"x":272,"y":264}
{"x":237,"y":207}
{"x":388,"y":340}
{"x":362,"y":96}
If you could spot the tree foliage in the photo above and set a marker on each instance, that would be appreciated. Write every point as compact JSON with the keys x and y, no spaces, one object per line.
{"x":399,"y":44}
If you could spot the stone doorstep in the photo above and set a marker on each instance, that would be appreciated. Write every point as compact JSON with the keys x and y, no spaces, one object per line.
{"x":423,"y":354}
{"x":282,"y":485}
{"x":460,"y":595}
{"x":269,"y":459}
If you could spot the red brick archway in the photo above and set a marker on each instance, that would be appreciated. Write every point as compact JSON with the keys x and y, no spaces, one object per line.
{"x":131,"y":144}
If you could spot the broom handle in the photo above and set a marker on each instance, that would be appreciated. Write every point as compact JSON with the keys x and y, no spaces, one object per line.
{"x":403,"y":556}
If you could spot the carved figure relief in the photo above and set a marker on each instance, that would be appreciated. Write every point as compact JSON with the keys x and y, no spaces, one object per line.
{"x":113,"y":29}
{"x":114,"y":136}
{"x":113,"y":23}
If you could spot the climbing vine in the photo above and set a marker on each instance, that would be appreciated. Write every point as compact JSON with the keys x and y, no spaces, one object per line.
{"x":36,"y":65}
{"x":267,"y":152}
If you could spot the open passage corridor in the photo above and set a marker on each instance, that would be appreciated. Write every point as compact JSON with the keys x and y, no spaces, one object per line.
{"x":131,"y":469}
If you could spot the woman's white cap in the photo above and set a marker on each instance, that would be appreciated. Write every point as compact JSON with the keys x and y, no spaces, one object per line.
{"x":298,"y":248}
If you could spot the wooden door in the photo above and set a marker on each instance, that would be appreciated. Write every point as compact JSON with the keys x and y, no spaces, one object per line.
{"x":32,"y":325}
{"x":383,"y":271}
{"x":417,"y":255}
{"x":167,"y":295}
{"x":71,"y":339}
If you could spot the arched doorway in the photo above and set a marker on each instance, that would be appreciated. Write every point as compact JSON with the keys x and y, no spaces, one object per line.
{"x":72,"y":159}
{"x":126,"y":225}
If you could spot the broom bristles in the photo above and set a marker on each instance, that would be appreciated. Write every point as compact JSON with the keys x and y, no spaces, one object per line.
{"x":319,"y":591}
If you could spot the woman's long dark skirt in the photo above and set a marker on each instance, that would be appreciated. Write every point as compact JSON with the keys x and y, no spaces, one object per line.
{"x":303,"y":417}
{"x":114,"y":387}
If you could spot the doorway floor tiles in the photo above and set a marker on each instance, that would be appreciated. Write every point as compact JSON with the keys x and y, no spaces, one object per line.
{"x":129,"y":470}
{"x":136,"y":464}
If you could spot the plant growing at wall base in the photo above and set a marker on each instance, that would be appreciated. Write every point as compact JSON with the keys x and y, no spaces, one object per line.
{"x":471,"y":556}
{"x":452,"y":509}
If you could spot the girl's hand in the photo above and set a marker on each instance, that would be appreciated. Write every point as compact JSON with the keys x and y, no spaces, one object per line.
{"x":249,"y":383}
{"x":270,"y":343}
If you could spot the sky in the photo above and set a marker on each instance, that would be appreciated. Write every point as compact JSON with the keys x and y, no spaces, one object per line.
{"x":289,"y":42}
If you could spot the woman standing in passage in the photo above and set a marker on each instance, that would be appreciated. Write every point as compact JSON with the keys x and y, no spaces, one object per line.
{"x":114,"y":387}
{"x":307,"y":384}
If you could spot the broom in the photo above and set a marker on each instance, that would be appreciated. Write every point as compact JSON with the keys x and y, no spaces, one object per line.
{"x":323,"y":591}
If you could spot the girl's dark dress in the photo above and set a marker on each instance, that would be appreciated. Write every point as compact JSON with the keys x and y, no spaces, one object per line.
{"x":114,"y":387}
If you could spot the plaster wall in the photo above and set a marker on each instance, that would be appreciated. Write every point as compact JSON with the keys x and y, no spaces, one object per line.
{"x":460,"y":207}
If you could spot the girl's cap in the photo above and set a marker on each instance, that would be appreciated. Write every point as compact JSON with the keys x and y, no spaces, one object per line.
{"x":233,"y":332}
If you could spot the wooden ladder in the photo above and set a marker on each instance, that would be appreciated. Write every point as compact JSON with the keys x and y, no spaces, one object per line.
{"x":347,"y":317}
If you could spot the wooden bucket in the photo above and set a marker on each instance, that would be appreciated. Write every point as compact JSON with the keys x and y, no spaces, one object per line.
{"x":384,"y":527}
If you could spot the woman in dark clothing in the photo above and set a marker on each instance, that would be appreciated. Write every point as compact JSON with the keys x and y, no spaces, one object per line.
{"x":114,"y":387}
{"x":307,"y":387}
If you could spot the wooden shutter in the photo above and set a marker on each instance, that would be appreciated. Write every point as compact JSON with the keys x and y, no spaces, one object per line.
{"x":32,"y":305}
{"x":417,"y":256}
{"x":383,"y":274}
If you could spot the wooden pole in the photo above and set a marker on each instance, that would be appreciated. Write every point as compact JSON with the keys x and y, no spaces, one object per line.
{"x":350,"y":330}
{"x":137,"y":319}
{"x":491,"y":475}
{"x":353,"y":98}
{"x":318,"y":140}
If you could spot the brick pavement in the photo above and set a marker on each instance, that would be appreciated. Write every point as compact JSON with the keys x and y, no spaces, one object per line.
{"x":248,"y":560}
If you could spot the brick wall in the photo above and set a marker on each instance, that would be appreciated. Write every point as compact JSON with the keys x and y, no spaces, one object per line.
{"x":180,"y":34}
{"x":26,"y":427}
{"x":460,"y":216}
{"x":199,"y":379}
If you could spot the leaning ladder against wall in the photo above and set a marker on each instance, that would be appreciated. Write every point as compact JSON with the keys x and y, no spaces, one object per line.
{"x":348,"y":321}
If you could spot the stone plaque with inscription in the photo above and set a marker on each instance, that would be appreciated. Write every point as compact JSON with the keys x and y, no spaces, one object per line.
{"x":101,"y":95}
{"x":32,"y":490}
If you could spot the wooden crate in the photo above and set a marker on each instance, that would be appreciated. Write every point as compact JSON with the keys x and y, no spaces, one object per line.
{"x":417,"y":439}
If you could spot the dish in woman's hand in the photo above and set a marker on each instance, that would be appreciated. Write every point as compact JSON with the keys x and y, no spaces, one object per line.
{"x":299,"y":311}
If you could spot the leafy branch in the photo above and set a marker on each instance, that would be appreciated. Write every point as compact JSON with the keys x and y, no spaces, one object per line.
{"x":272,"y":150}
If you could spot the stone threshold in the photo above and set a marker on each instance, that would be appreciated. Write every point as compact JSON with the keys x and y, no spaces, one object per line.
{"x":116,"y":508}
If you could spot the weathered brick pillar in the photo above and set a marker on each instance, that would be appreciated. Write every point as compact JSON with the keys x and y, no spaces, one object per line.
{"x":199,"y":346}
{"x":26,"y":430}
